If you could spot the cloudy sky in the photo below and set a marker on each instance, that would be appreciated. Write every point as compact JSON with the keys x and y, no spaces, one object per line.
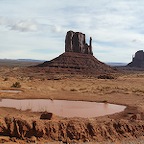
{"x":35,"y":29}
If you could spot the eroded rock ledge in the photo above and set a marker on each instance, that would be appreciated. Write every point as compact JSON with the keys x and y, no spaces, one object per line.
{"x":73,"y":130}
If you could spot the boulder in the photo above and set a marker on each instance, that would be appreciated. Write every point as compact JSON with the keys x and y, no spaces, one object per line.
{"x":47,"y":116}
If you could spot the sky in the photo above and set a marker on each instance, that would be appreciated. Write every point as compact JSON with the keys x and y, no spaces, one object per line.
{"x":36,"y":29}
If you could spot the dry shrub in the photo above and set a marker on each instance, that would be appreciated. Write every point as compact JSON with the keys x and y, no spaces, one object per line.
{"x":5,"y":79}
{"x":16,"y":85}
{"x":105,"y":77}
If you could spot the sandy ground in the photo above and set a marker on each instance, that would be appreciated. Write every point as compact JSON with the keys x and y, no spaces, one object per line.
{"x":125,"y":89}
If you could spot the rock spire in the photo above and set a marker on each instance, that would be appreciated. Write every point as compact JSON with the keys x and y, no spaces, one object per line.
{"x":75,"y":42}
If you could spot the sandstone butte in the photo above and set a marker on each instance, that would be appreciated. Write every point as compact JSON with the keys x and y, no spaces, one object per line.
{"x":137,"y":60}
{"x":77,"y":58}
{"x":27,"y":127}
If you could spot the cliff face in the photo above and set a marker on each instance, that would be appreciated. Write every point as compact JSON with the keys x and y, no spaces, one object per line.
{"x":138,"y":60}
{"x":72,"y":130}
{"x":75,"y":42}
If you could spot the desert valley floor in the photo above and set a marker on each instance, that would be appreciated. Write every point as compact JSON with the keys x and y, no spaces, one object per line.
{"x":124,"y":88}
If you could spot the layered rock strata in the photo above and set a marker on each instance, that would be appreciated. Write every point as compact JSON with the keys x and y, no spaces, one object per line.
{"x":77,"y":58}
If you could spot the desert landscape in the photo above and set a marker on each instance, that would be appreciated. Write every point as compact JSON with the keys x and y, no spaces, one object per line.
{"x":75,"y":76}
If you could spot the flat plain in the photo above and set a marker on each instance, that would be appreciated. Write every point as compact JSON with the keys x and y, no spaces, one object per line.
{"x":125,"y":88}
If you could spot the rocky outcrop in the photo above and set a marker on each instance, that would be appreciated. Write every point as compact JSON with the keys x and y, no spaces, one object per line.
{"x":75,"y":42}
{"x":73,"y":130}
{"x":77,"y":59}
{"x":138,"y":60}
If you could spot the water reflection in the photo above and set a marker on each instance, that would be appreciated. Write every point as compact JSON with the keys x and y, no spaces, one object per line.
{"x":63,"y":107}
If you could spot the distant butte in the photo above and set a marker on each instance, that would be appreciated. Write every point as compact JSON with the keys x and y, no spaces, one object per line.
{"x":137,"y":60}
{"x":77,"y":58}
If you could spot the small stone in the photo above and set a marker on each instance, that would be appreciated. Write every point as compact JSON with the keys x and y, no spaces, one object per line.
{"x":46,"y":115}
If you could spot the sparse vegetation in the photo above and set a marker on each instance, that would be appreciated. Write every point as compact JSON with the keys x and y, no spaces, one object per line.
{"x":73,"y":89}
{"x":138,"y":91}
{"x":105,"y":77}
{"x":104,"y":101}
{"x":6,"y":79}
{"x":16,"y":85}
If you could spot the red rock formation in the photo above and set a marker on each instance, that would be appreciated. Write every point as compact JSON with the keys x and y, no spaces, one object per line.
{"x":75,"y":42}
{"x":138,"y":60}
{"x":73,"y":130}
{"x":139,"y":55}
{"x":68,"y":41}
{"x":78,"y":58}
{"x":70,"y":62}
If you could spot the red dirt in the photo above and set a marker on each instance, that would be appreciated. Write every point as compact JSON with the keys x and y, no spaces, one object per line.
{"x":130,"y":125}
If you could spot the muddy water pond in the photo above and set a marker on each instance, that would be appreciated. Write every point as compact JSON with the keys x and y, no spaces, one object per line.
{"x":64,"y":108}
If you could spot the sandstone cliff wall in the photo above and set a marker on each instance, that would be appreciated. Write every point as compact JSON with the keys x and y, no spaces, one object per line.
{"x":75,"y":42}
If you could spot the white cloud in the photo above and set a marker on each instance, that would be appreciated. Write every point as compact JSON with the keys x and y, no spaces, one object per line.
{"x":19,"y":25}
{"x":56,"y":28}
{"x":115,"y":25}
{"x":24,"y":26}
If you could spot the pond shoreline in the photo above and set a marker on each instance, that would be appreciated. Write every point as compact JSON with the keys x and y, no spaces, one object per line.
{"x":64,"y":108}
